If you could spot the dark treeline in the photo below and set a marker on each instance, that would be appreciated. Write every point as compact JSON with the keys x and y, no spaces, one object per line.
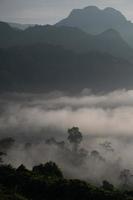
{"x":46,"y":181}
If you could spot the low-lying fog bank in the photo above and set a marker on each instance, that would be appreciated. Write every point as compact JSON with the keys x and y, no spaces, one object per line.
{"x":39,"y":124}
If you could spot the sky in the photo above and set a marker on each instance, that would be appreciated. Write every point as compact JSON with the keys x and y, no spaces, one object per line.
{"x":51,"y":11}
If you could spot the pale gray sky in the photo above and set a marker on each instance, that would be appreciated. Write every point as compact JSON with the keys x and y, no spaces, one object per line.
{"x":50,"y":11}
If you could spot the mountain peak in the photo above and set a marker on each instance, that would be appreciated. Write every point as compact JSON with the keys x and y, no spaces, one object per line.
{"x":93,"y":20}
{"x":115,"y":12}
{"x":91,"y":8}
{"x":86,"y":10}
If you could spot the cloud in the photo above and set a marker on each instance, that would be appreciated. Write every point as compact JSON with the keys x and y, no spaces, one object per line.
{"x":102,"y":115}
{"x":105,"y":121}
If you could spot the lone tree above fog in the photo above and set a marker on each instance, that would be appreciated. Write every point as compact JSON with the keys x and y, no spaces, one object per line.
{"x":75,"y":137}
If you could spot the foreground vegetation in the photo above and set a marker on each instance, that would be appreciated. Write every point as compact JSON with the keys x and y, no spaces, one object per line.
{"x":47,"y":182}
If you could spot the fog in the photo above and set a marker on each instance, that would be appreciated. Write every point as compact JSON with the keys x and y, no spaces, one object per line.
{"x":39,"y":125}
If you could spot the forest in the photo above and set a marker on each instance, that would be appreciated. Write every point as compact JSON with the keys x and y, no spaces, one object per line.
{"x":48,"y":180}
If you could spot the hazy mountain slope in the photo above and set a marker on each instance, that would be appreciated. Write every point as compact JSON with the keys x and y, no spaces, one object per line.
{"x":20,"y":26}
{"x":111,"y":41}
{"x":94,"y":21}
{"x":47,"y":67}
{"x":32,"y":35}
{"x":8,"y":35}
{"x":70,"y":38}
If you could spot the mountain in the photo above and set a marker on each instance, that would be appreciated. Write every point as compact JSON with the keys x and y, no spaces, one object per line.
{"x":38,"y":34}
{"x":44,"y":67}
{"x":95,"y":21}
{"x":45,"y":58}
{"x":70,"y":38}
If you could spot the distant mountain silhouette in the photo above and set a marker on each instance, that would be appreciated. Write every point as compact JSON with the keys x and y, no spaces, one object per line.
{"x":71,"y":38}
{"x":95,"y":21}
{"x":43,"y":67}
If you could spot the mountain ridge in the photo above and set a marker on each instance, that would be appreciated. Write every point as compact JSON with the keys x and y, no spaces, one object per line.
{"x":70,"y":38}
{"x":44,"y":67}
{"x":89,"y":13}
{"x":93,"y":20}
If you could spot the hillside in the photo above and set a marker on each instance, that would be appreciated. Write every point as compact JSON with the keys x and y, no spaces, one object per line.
{"x":47,"y":67}
{"x":70,"y":38}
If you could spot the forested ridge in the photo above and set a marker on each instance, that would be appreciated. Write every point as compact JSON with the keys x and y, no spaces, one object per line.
{"x":46,"y":181}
